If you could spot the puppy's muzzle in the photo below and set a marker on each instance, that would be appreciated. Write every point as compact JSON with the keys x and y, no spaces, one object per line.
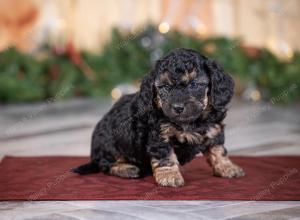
{"x":177,"y":108}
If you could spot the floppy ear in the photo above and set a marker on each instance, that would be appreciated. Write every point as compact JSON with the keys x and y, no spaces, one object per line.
{"x":146,"y":96}
{"x":222,"y":85}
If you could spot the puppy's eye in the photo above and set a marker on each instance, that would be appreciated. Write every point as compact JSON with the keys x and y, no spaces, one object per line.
{"x":193,"y":85}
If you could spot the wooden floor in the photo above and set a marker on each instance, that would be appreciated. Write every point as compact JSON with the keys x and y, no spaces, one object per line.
{"x":65,"y":129}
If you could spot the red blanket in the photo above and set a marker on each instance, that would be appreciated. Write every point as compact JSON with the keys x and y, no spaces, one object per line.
{"x":48,"y":178}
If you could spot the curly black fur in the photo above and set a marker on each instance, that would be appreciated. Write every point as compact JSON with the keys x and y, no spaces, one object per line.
{"x":132,"y":128}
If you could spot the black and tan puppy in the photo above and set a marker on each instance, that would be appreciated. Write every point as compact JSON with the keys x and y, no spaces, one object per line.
{"x":177,"y":114}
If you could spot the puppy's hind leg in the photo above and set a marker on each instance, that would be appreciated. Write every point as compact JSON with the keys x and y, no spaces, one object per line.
{"x":125,"y":170}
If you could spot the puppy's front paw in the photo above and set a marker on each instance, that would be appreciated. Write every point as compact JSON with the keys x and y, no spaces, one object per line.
{"x":228,"y":170}
{"x":168,"y":176}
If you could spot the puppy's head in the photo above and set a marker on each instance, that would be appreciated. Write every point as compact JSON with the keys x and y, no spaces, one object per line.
{"x":184,"y":83}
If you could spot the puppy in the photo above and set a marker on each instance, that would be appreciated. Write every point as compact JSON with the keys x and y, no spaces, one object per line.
{"x":177,"y":114}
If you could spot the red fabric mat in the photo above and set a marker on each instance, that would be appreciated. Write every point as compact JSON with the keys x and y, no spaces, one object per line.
{"x":48,"y":178}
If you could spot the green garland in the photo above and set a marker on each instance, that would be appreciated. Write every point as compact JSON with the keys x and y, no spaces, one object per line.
{"x":127,"y":57}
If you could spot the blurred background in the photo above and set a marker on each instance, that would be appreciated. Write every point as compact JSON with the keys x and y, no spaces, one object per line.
{"x":63,"y":64}
{"x":102,"y":48}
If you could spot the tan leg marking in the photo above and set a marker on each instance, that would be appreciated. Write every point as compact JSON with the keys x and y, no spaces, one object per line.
{"x":221,"y":164}
{"x":214,"y":131}
{"x":168,"y":175}
{"x":125,"y":170}
{"x":167,"y":131}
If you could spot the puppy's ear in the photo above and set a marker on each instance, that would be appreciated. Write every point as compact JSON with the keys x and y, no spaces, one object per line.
{"x":222,"y":85}
{"x":146,"y":96}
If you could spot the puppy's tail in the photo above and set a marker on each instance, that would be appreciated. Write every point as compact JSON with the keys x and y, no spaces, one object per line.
{"x":88,"y":168}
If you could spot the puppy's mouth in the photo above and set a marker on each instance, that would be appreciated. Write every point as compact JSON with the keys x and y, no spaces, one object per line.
{"x":182,"y":113}
{"x":184,"y":119}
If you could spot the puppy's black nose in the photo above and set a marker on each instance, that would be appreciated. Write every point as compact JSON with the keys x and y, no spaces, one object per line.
{"x":178,"y":108}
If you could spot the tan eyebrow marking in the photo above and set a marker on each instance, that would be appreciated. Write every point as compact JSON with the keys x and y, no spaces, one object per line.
{"x":165,"y":78}
{"x":187,"y":77}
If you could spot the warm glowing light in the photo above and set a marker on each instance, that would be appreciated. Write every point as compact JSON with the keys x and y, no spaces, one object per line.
{"x":271,"y":43}
{"x":255,"y":95}
{"x":116,"y":93}
{"x":201,"y":29}
{"x":164,"y":27}
{"x":281,"y":48}
{"x":61,"y":24}
{"x":288,"y":52}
